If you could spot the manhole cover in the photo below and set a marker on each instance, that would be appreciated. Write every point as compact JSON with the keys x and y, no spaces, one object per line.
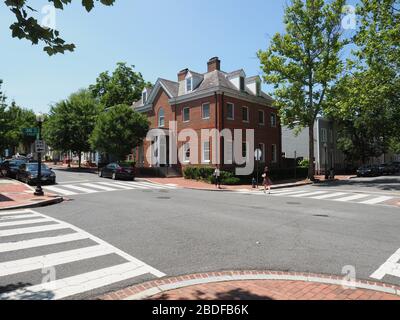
{"x":293,"y":203}
{"x":321,"y":215}
{"x":164,"y":198}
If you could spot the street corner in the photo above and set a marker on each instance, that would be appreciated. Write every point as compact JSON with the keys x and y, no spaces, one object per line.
{"x":256,"y":285}
{"x":393,"y":202}
{"x":16,"y":195}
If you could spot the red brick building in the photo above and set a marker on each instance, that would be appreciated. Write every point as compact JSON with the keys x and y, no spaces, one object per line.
{"x":212,"y":100}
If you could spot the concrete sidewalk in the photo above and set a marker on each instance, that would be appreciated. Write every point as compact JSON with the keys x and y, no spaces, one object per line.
{"x":256,"y":285}
{"x":17,"y":195}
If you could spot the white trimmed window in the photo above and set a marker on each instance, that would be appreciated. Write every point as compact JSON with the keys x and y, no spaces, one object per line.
{"x":324,"y":136}
{"x":144,"y":97}
{"x":186,"y":114}
{"x":242,"y":83}
{"x":206,"y":151}
{"x":262,"y":148}
{"x":161,"y":118}
{"x":189,"y":84}
{"x":273,"y":120}
{"x":258,"y":88}
{"x":245,"y":114}
{"x":230,"y":111}
{"x":261,"y":118}
{"x":205,"y":111}
{"x":186,"y":152}
{"x":274,"y":153}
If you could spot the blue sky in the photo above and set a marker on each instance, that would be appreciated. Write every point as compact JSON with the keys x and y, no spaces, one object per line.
{"x":159,"y":37}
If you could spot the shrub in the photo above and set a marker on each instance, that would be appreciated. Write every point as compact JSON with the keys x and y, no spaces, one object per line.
{"x":304,"y":163}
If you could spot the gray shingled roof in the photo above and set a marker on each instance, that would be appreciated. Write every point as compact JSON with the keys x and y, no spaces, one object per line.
{"x":171,"y":86}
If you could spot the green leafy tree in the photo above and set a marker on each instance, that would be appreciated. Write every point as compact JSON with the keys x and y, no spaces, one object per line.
{"x":17,"y":119}
{"x":119,"y":130}
{"x":27,"y":27}
{"x":123,"y":86}
{"x":367,"y":98}
{"x":304,"y":62}
{"x":71,"y":122}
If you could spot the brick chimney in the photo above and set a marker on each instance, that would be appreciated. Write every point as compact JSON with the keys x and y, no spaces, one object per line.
{"x":182,"y":74}
{"x":214,"y":64}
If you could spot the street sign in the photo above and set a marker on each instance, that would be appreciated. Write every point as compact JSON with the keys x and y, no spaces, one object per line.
{"x":39,"y":146}
{"x":258,"y":154}
{"x":31,"y":132}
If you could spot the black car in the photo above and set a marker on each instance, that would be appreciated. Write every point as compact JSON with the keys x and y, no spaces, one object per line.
{"x":386,"y":169}
{"x":396,"y":165}
{"x":368,"y":171}
{"x":28,"y":173}
{"x":118,"y":171}
{"x":10,"y":167}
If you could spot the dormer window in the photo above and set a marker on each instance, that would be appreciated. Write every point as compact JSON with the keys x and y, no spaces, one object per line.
{"x":258,"y":88}
{"x":242,"y":83}
{"x":189,"y":84}
{"x":144,"y":97}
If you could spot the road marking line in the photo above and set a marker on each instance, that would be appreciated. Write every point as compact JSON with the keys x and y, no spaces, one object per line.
{"x":92,"y":185}
{"x":377,"y":200}
{"x":123,"y":254}
{"x":9,"y":213}
{"x":85,"y":190}
{"x":18,"y":217}
{"x":67,"y":287}
{"x":390,"y":267}
{"x":353,"y":197}
{"x":152,"y":185}
{"x":40,"y":242}
{"x":60,"y":191}
{"x":309,"y":194}
{"x":70,"y":182}
{"x":24,"y":222}
{"x":117,"y":186}
{"x":54,"y":259}
{"x":287,"y":193}
{"x":133,"y":185}
{"x":19,"y":231}
{"x":328,"y":196}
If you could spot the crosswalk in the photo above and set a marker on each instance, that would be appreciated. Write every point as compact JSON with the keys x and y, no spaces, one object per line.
{"x":73,"y":250}
{"x":343,"y":196}
{"x":104,"y":186}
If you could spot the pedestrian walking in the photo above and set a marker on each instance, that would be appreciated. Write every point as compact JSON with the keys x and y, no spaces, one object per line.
{"x":217,"y":178}
{"x":267,"y":183}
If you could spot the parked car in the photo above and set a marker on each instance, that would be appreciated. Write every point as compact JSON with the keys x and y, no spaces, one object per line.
{"x":10,"y":167}
{"x":117,"y":171}
{"x":396,"y":164}
{"x":368,"y":171}
{"x":28,"y":173}
{"x":386,"y":169}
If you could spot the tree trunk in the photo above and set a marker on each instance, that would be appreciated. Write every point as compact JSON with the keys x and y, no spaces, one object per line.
{"x":311,"y":167}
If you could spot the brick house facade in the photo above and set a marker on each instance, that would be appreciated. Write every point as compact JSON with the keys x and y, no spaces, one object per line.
{"x":213,"y":100}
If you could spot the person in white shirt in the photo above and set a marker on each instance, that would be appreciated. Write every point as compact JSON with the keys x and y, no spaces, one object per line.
{"x":217,"y":176}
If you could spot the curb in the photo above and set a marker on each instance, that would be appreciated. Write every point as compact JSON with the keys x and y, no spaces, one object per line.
{"x":151,"y":288}
{"x":35,"y":205}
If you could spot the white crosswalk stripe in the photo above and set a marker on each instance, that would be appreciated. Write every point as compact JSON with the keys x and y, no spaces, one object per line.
{"x":309,"y":193}
{"x":104,"y":186}
{"x":77,"y":281}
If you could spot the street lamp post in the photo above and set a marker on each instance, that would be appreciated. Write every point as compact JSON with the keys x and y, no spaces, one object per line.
{"x":39,"y":190}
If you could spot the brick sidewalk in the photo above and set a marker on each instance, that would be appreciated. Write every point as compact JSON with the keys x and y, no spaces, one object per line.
{"x":255,"y":285}
{"x":14,"y":194}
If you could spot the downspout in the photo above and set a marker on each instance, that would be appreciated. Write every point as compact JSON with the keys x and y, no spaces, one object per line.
{"x":216,"y":123}
{"x":222,"y":144}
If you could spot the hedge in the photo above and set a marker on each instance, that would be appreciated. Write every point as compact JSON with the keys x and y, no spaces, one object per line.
{"x":206,"y":174}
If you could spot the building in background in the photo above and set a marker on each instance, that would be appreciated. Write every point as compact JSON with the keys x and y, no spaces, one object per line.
{"x":326,"y":153}
{"x":211,"y":100}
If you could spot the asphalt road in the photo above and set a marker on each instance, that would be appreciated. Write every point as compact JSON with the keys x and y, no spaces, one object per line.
{"x":177,"y":231}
